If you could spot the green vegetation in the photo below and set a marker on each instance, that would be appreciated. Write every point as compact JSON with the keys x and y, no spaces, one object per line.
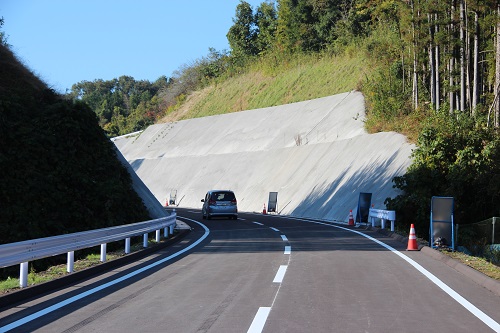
{"x":480,"y":264}
{"x":454,"y":158}
{"x":267,"y":83}
{"x":122,"y":105}
{"x":59,"y":173}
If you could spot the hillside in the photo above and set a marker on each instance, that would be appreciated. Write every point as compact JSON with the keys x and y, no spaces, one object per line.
{"x":266,"y":83}
{"x":59,"y":172}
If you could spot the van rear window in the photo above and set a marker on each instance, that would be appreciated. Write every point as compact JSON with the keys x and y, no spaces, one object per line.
{"x":223,"y":196}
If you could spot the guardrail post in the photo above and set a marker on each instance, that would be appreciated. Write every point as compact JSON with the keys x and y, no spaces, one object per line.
{"x":71,"y":262}
{"x":172,"y":229}
{"x":165,"y":232}
{"x":23,"y":276}
{"x":145,"y":240}
{"x":127,"y":245}
{"x":382,"y":223}
{"x":157,"y":238}
{"x":103,"y":252}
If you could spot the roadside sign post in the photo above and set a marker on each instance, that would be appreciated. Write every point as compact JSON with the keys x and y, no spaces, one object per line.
{"x":363,"y":210}
{"x":173,"y":197}
{"x":442,"y":225}
{"x":272,"y":205}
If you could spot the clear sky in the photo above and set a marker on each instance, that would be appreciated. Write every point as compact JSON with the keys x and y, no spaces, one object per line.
{"x":68,"y":41}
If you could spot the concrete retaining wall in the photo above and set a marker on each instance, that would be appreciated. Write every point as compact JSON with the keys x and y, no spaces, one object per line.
{"x":315,"y":154}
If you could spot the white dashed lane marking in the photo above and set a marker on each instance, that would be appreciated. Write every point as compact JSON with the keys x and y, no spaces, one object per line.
{"x":260,"y":320}
{"x":280,"y":274}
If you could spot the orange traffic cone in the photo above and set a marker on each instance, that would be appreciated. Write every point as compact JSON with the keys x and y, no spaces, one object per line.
{"x":412,"y":240}
{"x":264,"y":210}
{"x":166,"y":203}
{"x":351,"y":218}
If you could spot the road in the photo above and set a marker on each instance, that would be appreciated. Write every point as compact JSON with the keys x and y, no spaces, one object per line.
{"x":266,"y":273}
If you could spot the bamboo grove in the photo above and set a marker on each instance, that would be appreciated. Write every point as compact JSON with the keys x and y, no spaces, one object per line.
{"x":454,"y":51}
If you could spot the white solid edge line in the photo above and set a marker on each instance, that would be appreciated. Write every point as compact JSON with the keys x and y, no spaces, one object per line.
{"x":283,"y":237}
{"x":288,"y":250}
{"x":259,"y":320}
{"x":280,"y":274}
{"x":77,"y":297}
{"x":456,"y":296}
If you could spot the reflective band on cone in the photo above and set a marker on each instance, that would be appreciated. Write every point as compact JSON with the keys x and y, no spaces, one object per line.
{"x":412,"y":240}
{"x":351,"y":218}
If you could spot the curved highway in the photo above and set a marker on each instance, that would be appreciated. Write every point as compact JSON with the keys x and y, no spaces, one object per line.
{"x":266,"y":273}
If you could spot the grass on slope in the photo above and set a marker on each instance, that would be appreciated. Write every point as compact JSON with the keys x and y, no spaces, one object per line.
{"x":271,"y":82}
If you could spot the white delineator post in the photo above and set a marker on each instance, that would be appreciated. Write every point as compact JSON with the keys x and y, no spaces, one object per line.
{"x":23,"y":276}
{"x":71,"y":262}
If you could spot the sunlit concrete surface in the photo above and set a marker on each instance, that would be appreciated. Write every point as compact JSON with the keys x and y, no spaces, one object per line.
{"x":315,"y":154}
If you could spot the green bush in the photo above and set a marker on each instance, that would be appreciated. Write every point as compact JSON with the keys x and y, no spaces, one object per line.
{"x":455,"y":157}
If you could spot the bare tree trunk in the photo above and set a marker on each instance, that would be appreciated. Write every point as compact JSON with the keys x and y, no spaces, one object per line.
{"x":438,"y":94}
{"x":451,"y":64}
{"x":475,"y":89}
{"x":462,"y":56}
{"x":415,"y":81}
{"x":467,"y":36}
{"x":415,"y":63}
{"x":497,"y":71}
{"x":432,"y":70}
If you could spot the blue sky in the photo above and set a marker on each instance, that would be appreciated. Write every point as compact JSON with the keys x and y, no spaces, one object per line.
{"x":68,"y":41}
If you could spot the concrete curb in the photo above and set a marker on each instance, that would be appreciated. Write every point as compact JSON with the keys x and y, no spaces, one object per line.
{"x":476,"y":276}
{"x":32,"y":291}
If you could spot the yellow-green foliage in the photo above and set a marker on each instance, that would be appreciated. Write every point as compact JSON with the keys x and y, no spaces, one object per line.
{"x":269,"y":83}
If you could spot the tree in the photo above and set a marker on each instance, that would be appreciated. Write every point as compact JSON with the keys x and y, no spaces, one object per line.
{"x":266,"y":21}
{"x":115,"y":101}
{"x":3,"y":36}
{"x":243,"y":33}
{"x":287,"y":29}
{"x":496,"y":120}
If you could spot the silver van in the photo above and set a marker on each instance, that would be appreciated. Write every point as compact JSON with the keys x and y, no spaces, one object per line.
{"x":219,"y":203}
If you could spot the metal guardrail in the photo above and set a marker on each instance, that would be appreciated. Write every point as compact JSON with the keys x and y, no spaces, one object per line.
{"x":383,"y":215}
{"x":25,"y":251}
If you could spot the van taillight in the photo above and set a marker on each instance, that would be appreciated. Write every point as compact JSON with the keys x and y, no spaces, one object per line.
{"x":211,"y":202}
{"x":233,"y":201}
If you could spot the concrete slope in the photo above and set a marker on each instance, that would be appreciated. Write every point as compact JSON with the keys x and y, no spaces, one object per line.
{"x":315,"y":154}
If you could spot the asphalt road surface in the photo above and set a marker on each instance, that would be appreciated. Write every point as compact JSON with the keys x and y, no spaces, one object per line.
{"x":266,"y":273}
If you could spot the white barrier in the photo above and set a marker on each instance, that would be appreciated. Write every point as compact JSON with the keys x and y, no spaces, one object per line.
{"x":383,"y":215}
{"x":25,"y":251}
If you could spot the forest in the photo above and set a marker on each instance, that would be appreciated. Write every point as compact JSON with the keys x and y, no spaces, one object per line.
{"x":435,"y":77}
